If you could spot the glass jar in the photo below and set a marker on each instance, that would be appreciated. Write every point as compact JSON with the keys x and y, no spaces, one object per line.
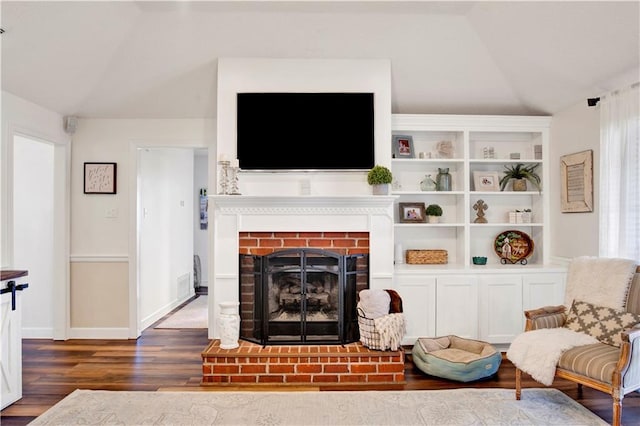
{"x":428,"y":184}
{"x":443,"y":179}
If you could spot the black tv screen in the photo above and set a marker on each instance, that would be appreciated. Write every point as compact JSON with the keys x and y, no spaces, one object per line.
{"x":305,"y":131}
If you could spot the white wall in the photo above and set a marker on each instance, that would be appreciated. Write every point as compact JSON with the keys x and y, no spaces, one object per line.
{"x":110,"y":140}
{"x":201,"y":236}
{"x":574,"y":129}
{"x":108,"y":243}
{"x":166,"y":229}
{"x":303,"y":75}
{"x":33,"y":202}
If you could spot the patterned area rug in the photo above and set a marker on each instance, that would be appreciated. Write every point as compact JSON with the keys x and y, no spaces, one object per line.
{"x":193,"y":315}
{"x":443,"y":407}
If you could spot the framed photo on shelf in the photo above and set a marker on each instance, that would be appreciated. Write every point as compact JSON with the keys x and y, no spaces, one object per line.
{"x":576,"y":175}
{"x":100,"y":178}
{"x":403,"y":147}
{"x":486,"y":181}
{"x":412,"y":213}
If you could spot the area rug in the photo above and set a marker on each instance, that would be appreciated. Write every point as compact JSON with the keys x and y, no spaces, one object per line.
{"x":441,"y":407}
{"x":193,"y":315}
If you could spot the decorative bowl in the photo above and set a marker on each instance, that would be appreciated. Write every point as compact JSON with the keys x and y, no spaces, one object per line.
{"x":479,"y":260}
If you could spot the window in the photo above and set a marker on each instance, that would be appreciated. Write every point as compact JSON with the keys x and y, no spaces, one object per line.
{"x":620,"y":174}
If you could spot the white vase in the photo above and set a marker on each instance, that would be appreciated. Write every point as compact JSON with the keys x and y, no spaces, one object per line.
{"x":381,"y":189}
{"x":433,"y":219}
{"x":229,"y":325}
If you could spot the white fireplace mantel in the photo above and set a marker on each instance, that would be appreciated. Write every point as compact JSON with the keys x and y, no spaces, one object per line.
{"x":347,"y":203}
{"x":231,"y":214}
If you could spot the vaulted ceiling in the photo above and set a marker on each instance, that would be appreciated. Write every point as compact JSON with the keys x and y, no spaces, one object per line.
{"x":151,"y":59}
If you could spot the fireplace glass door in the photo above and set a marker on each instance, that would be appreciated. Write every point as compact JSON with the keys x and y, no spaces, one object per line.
{"x":300,"y":296}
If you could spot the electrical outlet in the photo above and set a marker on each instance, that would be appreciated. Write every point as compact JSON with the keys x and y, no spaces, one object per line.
{"x":111,"y":213}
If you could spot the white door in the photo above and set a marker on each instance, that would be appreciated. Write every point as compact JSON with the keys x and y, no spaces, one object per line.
{"x":500,"y":303}
{"x":543,"y":289}
{"x":418,"y":294}
{"x":457,"y":306}
{"x":34,"y":233}
{"x":10,"y":348}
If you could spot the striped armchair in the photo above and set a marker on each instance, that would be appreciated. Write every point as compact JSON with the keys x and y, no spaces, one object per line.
{"x":607,"y":368}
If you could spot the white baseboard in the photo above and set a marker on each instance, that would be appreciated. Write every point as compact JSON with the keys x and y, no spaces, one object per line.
{"x":37,"y":333}
{"x":146,"y":322}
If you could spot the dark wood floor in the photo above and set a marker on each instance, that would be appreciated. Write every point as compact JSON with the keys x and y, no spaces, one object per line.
{"x":165,"y":359}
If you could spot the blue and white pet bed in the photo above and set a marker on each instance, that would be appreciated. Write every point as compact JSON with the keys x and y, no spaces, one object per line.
{"x":455,"y":358}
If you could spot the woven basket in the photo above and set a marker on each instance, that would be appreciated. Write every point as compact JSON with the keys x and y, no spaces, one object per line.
{"x":369,"y":335}
{"x":427,"y":257}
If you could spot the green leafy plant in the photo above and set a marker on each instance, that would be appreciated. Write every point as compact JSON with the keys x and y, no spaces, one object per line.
{"x":379,"y":175}
{"x":433,"y":210}
{"x":521,"y":171}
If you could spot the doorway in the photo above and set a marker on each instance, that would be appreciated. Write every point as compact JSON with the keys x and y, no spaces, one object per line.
{"x":39,"y":202}
{"x":167,"y":225}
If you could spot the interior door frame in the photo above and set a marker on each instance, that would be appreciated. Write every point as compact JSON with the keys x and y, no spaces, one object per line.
{"x":135,"y":322}
{"x":61,"y":222}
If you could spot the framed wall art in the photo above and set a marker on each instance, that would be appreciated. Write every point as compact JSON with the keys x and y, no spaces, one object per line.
{"x":412,"y":213}
{"x":486,"y":181}
{"x":576,"y":175}
{"x":403,"y":147}
{"x":100,"y":178}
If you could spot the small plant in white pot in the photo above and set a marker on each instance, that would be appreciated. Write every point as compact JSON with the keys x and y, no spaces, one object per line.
{"x":379,"y":177}
{"x":433,"y":213}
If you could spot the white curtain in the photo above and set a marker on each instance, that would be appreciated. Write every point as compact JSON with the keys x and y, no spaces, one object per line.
{"x":619,"y":174}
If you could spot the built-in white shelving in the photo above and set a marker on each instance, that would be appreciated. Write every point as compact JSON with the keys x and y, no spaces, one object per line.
{"x":470,"y":137}
{"x":480,"y":302}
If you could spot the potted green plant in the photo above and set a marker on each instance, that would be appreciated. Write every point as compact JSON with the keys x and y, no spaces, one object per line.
{"x":433,"y":213}
{"x":521,"y":173}
{"x":379,"y":177}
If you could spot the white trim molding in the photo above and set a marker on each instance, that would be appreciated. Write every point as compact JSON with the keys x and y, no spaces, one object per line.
{"x":93,"y":258}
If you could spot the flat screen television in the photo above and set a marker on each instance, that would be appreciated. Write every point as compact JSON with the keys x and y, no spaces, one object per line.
{"x":305,"y":131}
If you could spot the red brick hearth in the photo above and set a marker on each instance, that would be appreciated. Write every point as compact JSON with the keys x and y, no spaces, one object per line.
{"x":299,"y":365}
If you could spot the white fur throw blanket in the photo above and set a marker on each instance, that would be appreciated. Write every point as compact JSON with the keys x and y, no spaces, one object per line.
{"x":599,"y":281}
{"x":374,"y":302}
{"x":537,"y":352}
{"x":391,"y":328}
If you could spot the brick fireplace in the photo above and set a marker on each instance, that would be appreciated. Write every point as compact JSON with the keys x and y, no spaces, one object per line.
{"x":339,"y":223}
{"x":264,"y":224}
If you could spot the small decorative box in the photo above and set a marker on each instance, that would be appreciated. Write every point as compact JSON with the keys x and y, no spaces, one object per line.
{"x":427,"y":257}
{"x":519,"y":217}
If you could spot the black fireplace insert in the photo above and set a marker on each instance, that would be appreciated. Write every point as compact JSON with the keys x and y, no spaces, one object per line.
{"x":301,"y":296}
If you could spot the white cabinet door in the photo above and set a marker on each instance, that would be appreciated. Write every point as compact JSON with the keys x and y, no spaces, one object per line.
{"x":543,"y":289}
{"x":501,"y":315}
{"x":10,"y":349}
{"x":457,"y":306}
{"x":418,"y":294}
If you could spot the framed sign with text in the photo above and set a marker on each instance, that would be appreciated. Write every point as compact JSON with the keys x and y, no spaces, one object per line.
{"x":100,"y":178}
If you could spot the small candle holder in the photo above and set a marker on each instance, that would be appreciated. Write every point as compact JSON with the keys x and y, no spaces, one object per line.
{"x":224,"y":177}
{"x":233,"y":180}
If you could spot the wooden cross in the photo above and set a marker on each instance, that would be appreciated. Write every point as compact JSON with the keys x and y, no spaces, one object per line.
{"x":480,"y":206}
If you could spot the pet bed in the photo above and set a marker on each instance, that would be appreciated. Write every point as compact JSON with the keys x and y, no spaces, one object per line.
{"x":455,"y":358}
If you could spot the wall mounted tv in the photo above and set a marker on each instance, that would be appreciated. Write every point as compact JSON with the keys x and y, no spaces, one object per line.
{"x":305,"y":131}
